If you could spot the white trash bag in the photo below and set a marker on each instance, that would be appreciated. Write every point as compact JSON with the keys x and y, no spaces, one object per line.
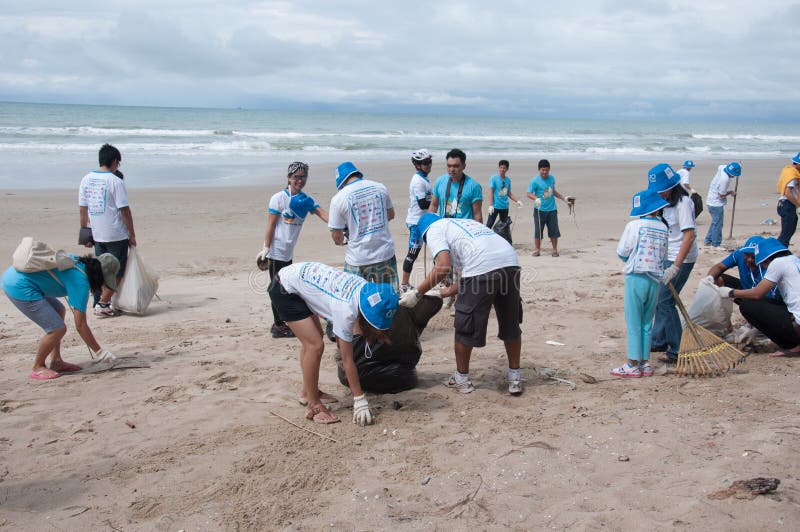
{"x":710,"y":310}
{"x":138,"y":286}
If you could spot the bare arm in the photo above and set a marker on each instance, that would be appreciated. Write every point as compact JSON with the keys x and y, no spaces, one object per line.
{"x":477,"y":211}
{"x":512,"y":196}
{"x":84,"y":211}
{"x":434,"y":206}
{"x":272,"y":223}
{"x":686,"y":245}
{"x":757,"y":292}
{"x":531,"y":195}
{"x":322,"y":213}
{"x":441,"y":268}
{"x":82,"y":326}
{"x":127,"y":219}
{"x":346,"y":350}
{"x":390,"y":214}
{"x":717,"y":270}
{"x":490,"y":196}
{"x":338,"y":236}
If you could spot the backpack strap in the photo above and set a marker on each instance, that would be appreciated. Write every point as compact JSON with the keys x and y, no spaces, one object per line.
{"x":54,"y":277}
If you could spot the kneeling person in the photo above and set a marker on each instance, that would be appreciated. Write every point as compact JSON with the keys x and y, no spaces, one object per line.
{"x":490,"y":276}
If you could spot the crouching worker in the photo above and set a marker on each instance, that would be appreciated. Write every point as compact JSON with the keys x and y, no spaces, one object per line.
{"x":490,"y":277}
{"x":35,"y":295}
{"x":302,"y":293}
{"x":391,"y":367}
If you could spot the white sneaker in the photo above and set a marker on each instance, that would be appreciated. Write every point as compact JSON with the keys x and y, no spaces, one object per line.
{"x":464,"y":387}
{"x":515,"y":387}
{"x":103,"y":312}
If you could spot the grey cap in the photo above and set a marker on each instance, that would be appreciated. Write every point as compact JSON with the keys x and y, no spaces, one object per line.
{"x":110,"y":266}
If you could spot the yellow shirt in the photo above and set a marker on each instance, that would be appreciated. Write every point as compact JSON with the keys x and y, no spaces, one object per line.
{"x":788,"y":173}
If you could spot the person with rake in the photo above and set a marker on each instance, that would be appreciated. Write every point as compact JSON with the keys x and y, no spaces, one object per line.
{"x":779,"y":321}
{"x":643,"y":248}
{"x":681,"y":256}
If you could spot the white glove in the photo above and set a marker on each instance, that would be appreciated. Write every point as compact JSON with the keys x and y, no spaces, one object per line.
{"x":519,"y":203}
{"x":263,"y":254}
{"x":670,"y":273}
{"x":104,"y":355}
{"x":410,"y":298}
{"x":361,"y":414}
{"x":537,"y":203}
{"x":491,"y":209}
{"x":725,"y":292}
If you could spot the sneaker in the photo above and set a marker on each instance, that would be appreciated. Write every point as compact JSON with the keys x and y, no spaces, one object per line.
{"x":464,"y":387}
{"x":646,"y":369}
{"x":104,"y":310}
{"x":626,"y":370}
{"x":281,"y":331}
{"x":515,"y":387}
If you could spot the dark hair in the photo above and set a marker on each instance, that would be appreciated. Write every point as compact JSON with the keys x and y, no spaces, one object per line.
{"x":544,"y":163}
{"x":94,"y":272}
{"x":503,"y":162}
{"x":783,"y":253}
{"x":108,"y":154}
{"x":455,"y":153}
{"x":371,"y":334}
{"x":675,"y":195}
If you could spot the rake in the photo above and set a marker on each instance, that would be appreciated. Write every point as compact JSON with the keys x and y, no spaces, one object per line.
{"x":703,"y":353}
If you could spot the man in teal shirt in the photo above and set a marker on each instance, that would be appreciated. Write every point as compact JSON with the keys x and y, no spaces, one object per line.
{"x":542,"y":190}
{"x":455,"y":194}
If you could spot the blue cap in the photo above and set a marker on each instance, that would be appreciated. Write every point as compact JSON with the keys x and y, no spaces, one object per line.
{"x":425,"y":222}
{"x":750,"y":244}
{"x":767,"y":248}
{"x":796,"y":158}
{"x":378,"y":304}
{"x":733,"y":169}
{"x":647,"y":202}
{"x":301,"y":205}
{"x":662,"y":178}
{"x":688,"y":163}
{"x":345,"y":170}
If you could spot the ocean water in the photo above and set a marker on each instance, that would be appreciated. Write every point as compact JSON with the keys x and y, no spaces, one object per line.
{"x":52,"y":146}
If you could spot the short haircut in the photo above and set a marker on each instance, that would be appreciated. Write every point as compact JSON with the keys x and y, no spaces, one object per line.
{"x":108,"y":154}
{"x":455,"y":153}
{"x":503,"y":162}
{"x":544,"y":163}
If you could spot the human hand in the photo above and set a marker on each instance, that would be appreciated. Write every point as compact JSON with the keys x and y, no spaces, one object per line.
{"x":570,"y":199}
{"x":361,"y":413}
{"x":104,"y":355}
{"x":670,"y":273}
{"x":410,"y":298}
{"x":537,"y":203}
{"x":725,"y":292}
{"x":491,"y":209}
{"x":132,"y":241}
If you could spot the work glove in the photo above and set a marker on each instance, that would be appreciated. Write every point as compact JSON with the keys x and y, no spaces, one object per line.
{"x":537,"y":203}
{"x":104,"y":355}
{"x":724,"y":292}
{"x":262,"y":261}
{"x":670,"y":273}
{"x":410,"y":298}
{"x":262,"y":255}
{"x":361,"y":414}
{"x":491,"y":209}
{"x":519,"y":203}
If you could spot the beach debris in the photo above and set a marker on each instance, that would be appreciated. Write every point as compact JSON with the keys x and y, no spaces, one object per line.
{"x":588,"y":379}
{"x":426,"y":480}
{"x":552,"y":374}
{"x":130,"y":424}
{"x":462,"y":502}
{"x":397,"y":405}
{"x":769,"y":221}
{"x":303,"y":428}
{"x":553,"y":342}
{"x":227,"y":320}
{"x":623,"y":458}
{"x":747,"y":489}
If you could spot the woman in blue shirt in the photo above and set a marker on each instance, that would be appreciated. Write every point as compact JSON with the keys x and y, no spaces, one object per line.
{"x":35,"y":295}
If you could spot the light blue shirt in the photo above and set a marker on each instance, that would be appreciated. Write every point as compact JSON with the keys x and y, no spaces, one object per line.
{"x":74,"y":285}
{"x":470,"y":193}
{"x":544,"y":189}
{"x":500,"y":189}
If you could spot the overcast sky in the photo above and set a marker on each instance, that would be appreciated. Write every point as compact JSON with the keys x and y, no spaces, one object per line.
{"x":728,"y":59}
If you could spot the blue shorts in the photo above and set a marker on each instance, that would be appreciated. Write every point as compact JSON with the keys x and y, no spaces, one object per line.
{"x":414,"y":238}
{"x":46,"y":313}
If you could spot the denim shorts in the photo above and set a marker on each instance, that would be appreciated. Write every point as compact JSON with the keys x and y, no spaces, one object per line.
{"x":46,"y":313}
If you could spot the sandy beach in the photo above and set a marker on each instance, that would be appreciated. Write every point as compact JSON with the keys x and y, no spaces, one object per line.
{"x":184,"y":436}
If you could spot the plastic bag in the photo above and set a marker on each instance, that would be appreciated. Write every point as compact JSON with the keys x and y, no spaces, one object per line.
{"x":138,"y":286}
{"x":709,"y":310}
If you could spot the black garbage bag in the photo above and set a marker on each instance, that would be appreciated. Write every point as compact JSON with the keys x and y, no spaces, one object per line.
{"x":698,"y":203}
{"x":503,"y":228}
{"x":391,"y":368}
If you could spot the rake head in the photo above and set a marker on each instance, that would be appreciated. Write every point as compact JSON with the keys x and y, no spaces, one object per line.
{"x":704,"y":354}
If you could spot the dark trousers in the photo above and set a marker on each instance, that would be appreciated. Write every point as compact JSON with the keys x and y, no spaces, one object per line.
{"x":788,"y":213}
{"x":119,"y":249}
{"x":503,"y":213}
{"x":731,"y":282}
{"x":773,"y":319}
{"x":274,"y":267}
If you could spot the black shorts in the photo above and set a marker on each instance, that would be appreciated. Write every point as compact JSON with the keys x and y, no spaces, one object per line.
{"x":548,"y":219}
{"x":477,"y":295}
{"x":290,"y":307}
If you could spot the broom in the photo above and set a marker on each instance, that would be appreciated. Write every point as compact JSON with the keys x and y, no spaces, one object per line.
{"x":702,"y":353}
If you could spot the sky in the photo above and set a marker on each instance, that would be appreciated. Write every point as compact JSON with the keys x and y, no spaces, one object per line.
{"x":731,"y":59}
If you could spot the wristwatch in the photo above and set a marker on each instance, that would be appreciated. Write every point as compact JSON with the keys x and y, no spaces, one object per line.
{"x":730,"y":294}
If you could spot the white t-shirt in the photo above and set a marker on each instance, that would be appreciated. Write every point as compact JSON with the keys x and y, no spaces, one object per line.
{"x":785,"y":272}
{"x":288,"y":227}
{"x":680,"y":218}
{"x":474,"y":248}
{"x":718,"y":187}
{"x":419,"y":188}
{"x":684,"y":175}
{"x":644,"y":242}
{"x":329,"y":292}
{"x":104,"y":195}
{"x":363,"y":208}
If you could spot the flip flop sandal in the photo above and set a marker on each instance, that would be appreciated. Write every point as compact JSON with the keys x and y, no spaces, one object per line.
{"x":555,"y":254}
{"x":324,"y":398}
{"x":42,"y":376}
{"x":536,"y":253}
{"x":320,"y":414}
